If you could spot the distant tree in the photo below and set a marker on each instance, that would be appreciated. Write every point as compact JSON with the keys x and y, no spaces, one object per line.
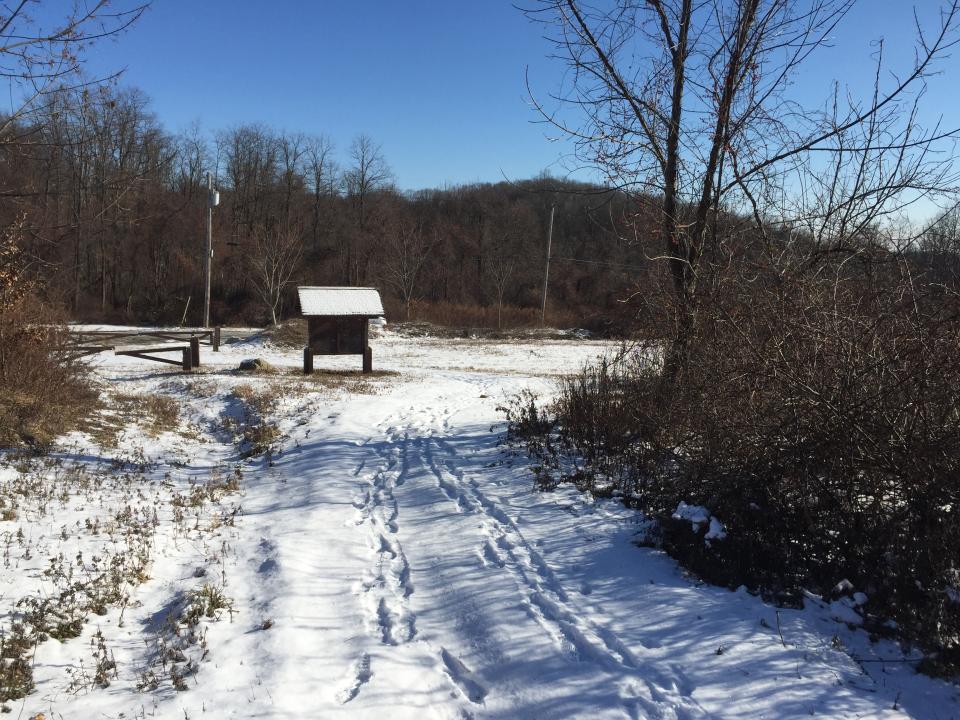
{"x":500,"y":268}
{"x":407,"y":249}
{"x":192,"y":161}
{"x":940,"y":246}
{"x":321,"y":171}
{"x":292,"y":147}
{"x":367,"y":173}
{"x":251,"y":157}
{"x":273,"y":261}
{"x":113,"y":215}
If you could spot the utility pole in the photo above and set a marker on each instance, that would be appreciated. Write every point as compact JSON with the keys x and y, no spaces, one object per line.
{"x":213,"y":199}
{"x":546,"y":272}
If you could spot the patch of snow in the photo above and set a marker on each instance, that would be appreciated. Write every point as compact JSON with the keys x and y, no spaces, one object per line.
{"x":697,"y":516}
{"x":845,"y":611}
{"x":843,"y":587}
{"x":717,"y":530}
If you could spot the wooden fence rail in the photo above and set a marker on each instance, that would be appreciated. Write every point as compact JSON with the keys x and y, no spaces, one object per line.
{"x":87,"y":337}
{"x":88,"y":342}
{"x":189,"y":354}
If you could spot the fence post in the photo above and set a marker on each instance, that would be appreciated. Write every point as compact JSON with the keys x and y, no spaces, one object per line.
{"x":367,"y":360}
{"x":307,"y":360}
{"x":195,"y":351}
{"x":216,"y":339}
{"x":187,"y":357}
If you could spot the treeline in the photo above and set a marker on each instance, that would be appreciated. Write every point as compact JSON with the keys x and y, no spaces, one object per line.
{"x":113,"y":208}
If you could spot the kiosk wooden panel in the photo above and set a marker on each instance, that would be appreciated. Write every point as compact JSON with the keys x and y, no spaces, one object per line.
{"x":338,"y":322}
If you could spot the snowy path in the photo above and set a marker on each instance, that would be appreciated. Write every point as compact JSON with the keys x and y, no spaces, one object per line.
{"x":439,"y":584}
{"x":430,"y":591}
{"x":391,"y":561}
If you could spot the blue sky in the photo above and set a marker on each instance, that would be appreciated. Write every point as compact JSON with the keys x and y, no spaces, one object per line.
{"x":439,"y":83}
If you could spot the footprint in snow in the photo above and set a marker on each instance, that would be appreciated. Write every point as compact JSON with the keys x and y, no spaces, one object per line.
{"x":462,"y":678}
{"x":358,"y":676}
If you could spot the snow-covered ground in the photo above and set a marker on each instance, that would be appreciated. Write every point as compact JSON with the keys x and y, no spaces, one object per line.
{"x":387,"y":558}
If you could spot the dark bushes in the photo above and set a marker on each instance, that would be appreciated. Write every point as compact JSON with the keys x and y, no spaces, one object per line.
{"x":818,"y":418}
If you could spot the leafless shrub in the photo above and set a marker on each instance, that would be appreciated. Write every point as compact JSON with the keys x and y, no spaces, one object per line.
{"x":818,"y":418}
{"x":104,"y":667}
{"x":155,"y":413}
{"x":42,"y":393}
{"x":76,"y":587}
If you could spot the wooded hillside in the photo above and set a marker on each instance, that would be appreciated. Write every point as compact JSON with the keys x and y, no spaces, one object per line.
{"x":113,"y":207}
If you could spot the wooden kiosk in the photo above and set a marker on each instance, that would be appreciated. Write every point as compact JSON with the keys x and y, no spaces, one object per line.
{"x":338,"y":322}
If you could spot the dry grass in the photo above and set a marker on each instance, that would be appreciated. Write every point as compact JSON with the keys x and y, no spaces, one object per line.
{"x":76,"y":591}
{"x":154,"y":413}
{"x":484,"y":335}
{"x":253,"y":432}
{"x":290,"y":333}
{"x":260,"y":401}
{"x":201,"y":388}
{"x":478,"y":316}
{"x":348,"y":381}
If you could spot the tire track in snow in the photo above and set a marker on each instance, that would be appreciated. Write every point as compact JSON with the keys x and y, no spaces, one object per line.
{"x":408,"y":442}
{"x":650,"y":690}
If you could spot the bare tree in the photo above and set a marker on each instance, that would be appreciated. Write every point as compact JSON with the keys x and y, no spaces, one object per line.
{"x":367,"y":173}
{"x":321,"y":170}
{"x":407,"y":249}
{"x":939,"y":247}
{"x":38,"y":59}
{"x":273,"y":261}
{"x":500,"y":268}
{"x":192,"y":160}
{"x":687,"y":105}
{"x":252,"y":165}
{"x":508,"y":228}
{"x":291,"y":149}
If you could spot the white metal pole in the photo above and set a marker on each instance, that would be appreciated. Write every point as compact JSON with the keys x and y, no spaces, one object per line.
{"x":209,"y":256}
{"x":546,"y":272}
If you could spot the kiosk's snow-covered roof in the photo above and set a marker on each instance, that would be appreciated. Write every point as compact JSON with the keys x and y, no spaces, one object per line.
{"x":355,"y":301}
